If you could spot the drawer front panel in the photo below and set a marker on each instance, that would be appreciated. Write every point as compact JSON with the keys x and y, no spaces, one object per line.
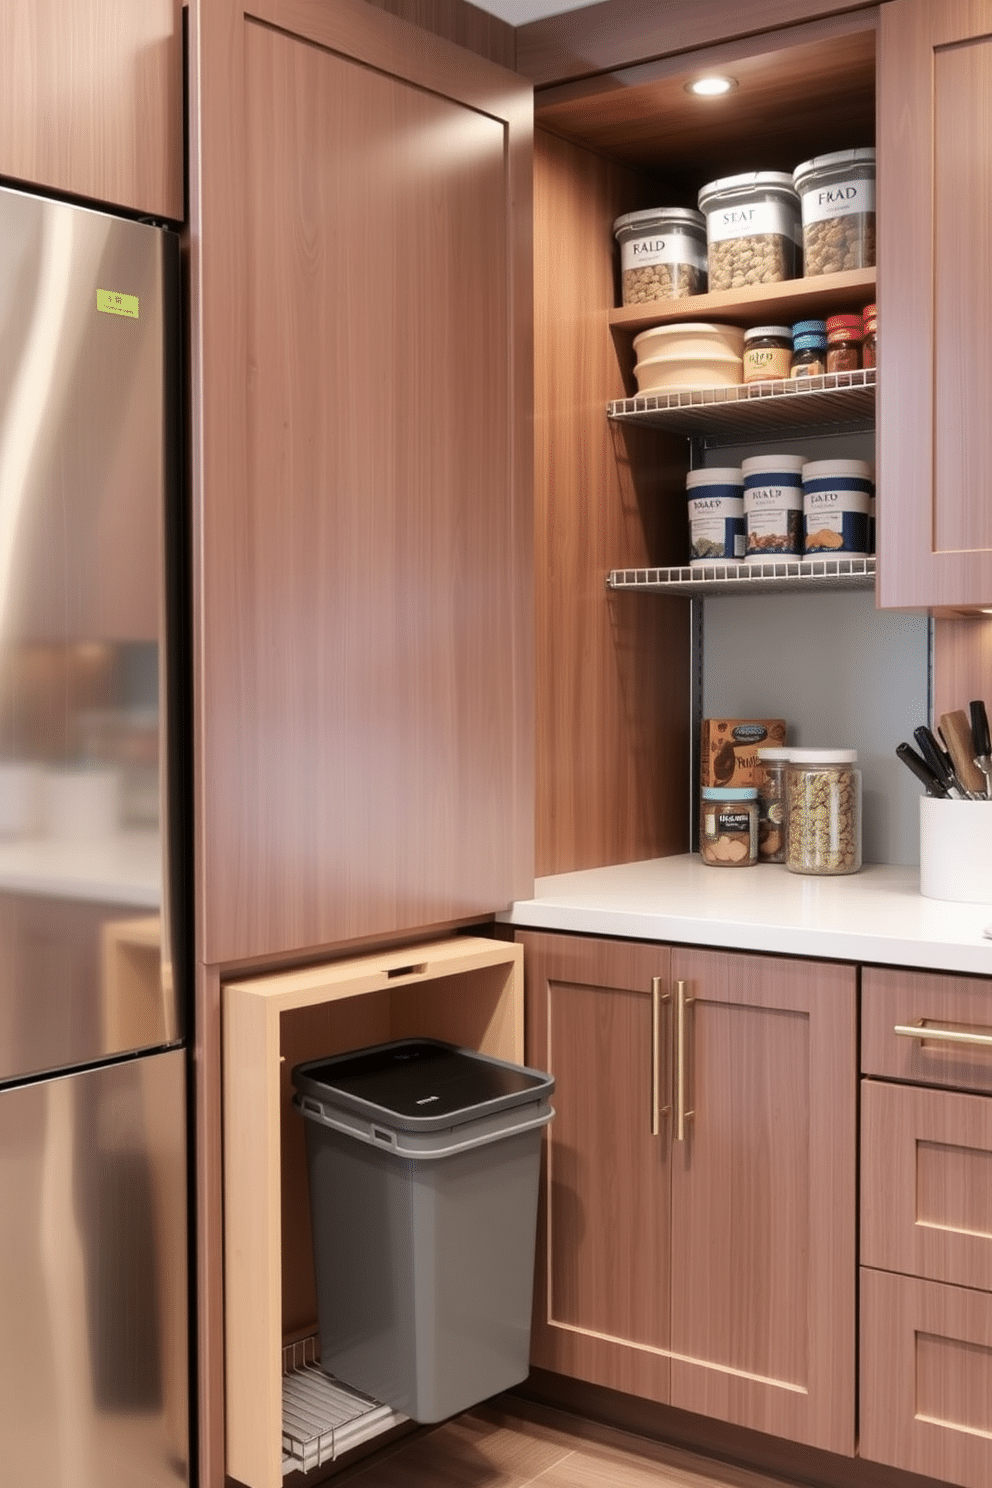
{"x":926,"y":1378}
{"x":926,"y":1183}
{"x":954,"y":1018}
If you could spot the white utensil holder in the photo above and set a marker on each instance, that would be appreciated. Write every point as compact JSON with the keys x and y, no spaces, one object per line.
{"x":956,"y":850}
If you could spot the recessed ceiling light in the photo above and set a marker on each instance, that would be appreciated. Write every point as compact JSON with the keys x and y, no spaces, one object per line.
{"x":711,"y":87}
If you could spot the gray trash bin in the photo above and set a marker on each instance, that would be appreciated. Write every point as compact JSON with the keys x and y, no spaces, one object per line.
{"x":423,"y":1164}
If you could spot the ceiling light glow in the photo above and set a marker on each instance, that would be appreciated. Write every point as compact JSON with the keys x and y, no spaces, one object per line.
{"x":711,"y":86}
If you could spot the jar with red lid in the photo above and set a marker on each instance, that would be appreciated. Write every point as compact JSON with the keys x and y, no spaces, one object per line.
{"x":844,"y":337}
{"x":869,"y":320}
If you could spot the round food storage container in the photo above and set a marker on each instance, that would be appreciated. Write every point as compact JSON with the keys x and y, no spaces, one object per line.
{"x":770,"y":783}
{"x":836,"y":508}
{"x":753,"y":229}
{"x":767,"y":353}
{"x":716,"y":515}
{"x":662,"y":254}
{"x":773,"y":506}
{"x":728,"y":826}
{"x":823,"y":811}
{"x":690,"y":355}
{"x":838,"y":211}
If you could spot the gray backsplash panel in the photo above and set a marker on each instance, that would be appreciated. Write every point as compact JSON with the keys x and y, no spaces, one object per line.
{"x":842,"y":674}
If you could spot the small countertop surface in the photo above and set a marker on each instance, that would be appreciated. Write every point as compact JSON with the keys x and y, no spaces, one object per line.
{"x":124,"y":868}
{"x":877,"y":915}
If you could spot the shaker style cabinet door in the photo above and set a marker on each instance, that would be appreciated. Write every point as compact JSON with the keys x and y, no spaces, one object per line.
{"x":361,"y":299}
{"x":92,"y":101}
{"x":935,"y":241}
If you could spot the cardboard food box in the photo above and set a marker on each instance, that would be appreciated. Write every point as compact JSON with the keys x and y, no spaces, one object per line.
{"x":729,"y":747}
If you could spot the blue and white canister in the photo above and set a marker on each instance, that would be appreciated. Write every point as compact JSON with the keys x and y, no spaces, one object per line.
{"x":716,"y":515}
{"x":773,"y":506}
{"x":837,"y":508}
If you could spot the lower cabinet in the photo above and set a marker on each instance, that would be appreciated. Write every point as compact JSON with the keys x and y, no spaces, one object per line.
{"x":697,"y":1243}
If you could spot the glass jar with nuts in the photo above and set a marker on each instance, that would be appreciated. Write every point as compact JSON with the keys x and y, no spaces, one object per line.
{"x":753,"y":229}
{"x":838,"y":211}
{"x":728,"y":826}
{"x":823,"y":811}
{"x":662,"y":254}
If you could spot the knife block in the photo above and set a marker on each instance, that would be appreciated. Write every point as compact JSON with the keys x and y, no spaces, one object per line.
{"x":956,"y":850}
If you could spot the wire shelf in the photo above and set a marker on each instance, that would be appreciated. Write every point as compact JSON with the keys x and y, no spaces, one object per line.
{"x":837,"y":402}
{"x":772,"y":577}
{"x":321,"y":1417}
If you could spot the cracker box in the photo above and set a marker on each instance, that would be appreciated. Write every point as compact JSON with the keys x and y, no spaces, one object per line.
{"x":729,"y":747}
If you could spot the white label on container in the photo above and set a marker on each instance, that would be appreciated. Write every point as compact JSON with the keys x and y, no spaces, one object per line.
{"x":673,"y":248}
{"x":837,"y":520}
{"x":747,"y":221}
{"x":716,"y":527}
{"x":773,"y":520}
{"x":842,"y":199}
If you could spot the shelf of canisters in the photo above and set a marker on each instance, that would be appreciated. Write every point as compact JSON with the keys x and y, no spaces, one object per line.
{"x":837,"y":402}
{"x":771,"y":576}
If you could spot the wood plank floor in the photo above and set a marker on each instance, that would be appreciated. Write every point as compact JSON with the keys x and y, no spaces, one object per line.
{"x":522,"y":1445}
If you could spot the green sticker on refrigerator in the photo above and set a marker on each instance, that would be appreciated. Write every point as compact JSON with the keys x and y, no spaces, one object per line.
{"x":112,"y":303}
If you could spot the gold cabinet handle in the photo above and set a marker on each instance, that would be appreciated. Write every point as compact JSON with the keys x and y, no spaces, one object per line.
{"x":657,"y":1109}
{"x":943,"y":1035}
{"x":682,"y":1001}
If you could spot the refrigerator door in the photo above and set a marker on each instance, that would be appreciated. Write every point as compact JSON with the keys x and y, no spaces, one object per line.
{"x":89,"y":482}
{"x":93,"y":1346}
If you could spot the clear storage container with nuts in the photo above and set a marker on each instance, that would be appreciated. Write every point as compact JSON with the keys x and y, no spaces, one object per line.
{"x":838,"y":211}
{"x":753,"y":229}
{"x":662,"y":254}
{"x":823,"y":811}
{"x":728,"y":826}
{"x":770,"y":777}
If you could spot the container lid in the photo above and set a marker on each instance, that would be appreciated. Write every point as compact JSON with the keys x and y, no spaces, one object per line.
{"x":718,"y":475}
{"x":806,"y":342}
{"x":810,"y":328}
{"x":824,"y":756}
{"x":730,"y":792}
{"x":784,"y":333}
{"x":840,"y":325}
{"x":774,"y":754}
{"x":678,"y":217}
{"x":814,"y":469}
{"x":420,"y":1084}
{"x":756,"y":464}
{"x":714,"y":328}
{"x":837,"y":162}
{"x":751,"y":183}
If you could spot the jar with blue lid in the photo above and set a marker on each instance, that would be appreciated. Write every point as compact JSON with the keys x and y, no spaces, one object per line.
{"x":728,"y":826}
{"x":809,"y":348}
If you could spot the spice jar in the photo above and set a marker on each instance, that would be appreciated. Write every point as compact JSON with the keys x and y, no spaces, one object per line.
{"x":844,"y":334}
{"x":869,"y":321}
{"x":767,"y":353}
{"x":809,"y":349}
{"x":823,"y":811}
{"x":770,"y":783}
{"x":728,"y":826}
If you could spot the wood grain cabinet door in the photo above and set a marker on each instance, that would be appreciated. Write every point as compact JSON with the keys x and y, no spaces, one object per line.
{"x":763,"y":1195}
{"x":935,"y":241}
{"x":595,"y":1019}
{"x":362,"y":386}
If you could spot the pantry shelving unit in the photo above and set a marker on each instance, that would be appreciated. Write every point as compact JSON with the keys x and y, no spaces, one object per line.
{"x":771,"y":577}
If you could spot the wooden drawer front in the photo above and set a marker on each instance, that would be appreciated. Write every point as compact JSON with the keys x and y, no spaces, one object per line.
{"x":948,"y":1005}
{"x":926,"y":1378}
{"x":926,"y":1183}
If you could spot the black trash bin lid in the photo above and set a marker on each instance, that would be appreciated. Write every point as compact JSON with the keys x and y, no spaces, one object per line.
{"x":420,"y":1084}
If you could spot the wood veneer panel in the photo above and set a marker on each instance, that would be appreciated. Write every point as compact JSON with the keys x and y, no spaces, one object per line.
{"x":465,"y":25}
{"x":612,"y":671}
{"x":600,"y":38}
{"x":92,"y":100}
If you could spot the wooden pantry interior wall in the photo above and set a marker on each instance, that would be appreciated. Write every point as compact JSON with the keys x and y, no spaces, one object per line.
{"x":619,"y":685}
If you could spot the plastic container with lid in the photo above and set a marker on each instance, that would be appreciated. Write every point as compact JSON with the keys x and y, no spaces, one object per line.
{"x":773,"y":506}
{"x":767,"y":353}
{"x":809,"y":348}
{"x":844,"y":333}
{"x":688,"y":354}
{"x":662,"y":254}
{"x":753,"y":229}
{"x":770,"y":778}
{"x":837,"y":508}
{"x":823,"y":811}
{"x":716,"y":515}
{"x":728,"y":826}
{"x":838,"y":211}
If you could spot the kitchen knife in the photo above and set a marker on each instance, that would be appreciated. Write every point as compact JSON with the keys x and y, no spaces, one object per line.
{"x":935,"y":786}
{"x":980,"y":740}
{"x":955,"y":731}
{"x":938,"y":759}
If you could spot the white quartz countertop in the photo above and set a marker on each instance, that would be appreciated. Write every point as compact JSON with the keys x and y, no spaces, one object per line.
{"x":877,"y":915}
{"x":123,"y":868}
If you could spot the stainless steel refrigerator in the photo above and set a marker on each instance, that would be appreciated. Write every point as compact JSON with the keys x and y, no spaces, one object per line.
{"x":93,"y":1151}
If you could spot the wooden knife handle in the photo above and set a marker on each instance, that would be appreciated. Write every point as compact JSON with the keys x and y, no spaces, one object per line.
{"x":956,"y":731}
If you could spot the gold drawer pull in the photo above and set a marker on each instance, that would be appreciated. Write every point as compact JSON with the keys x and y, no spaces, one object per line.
{"x":681,"y":1114}
{"x":943,"y":1035}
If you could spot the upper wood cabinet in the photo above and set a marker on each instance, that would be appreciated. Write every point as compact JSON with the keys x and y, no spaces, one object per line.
{"x":362,"y":385}
{"x":935,"y":239}
{"x":92,"y":101}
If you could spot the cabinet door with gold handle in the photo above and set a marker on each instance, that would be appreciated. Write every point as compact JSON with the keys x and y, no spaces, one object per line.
{"x":926,"y":1028}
